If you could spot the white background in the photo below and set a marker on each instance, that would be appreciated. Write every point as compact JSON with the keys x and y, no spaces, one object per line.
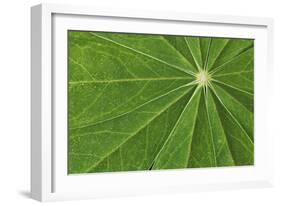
{"x":15,"y":102}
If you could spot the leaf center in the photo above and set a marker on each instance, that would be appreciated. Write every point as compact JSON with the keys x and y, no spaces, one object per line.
{"x":203,"y":78}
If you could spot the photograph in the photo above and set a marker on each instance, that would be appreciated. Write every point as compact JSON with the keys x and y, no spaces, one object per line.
{"x":154,"y":102}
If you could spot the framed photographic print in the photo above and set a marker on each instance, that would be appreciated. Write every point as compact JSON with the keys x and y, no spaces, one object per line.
{"x":137,"y":102}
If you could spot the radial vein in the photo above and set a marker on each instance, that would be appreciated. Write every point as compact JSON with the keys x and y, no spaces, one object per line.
{"x":129,"y":137}
{"x":128,"y":80}
{"x":233,"y":87}
{"x":154,"y":99}
{"x":210,"y":127}
{"x":195,"y":60}
{"x":220,"y":67}
{"x":177,"y":122}
{"x":233,"y":117}
{"x":144,"y":54}
{"x":207,"y":56}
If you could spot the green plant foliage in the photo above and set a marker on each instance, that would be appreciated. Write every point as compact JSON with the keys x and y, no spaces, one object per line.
{"x":145,"y":102}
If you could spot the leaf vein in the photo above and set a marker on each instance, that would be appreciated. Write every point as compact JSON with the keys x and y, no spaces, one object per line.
{"x":147,"y":55}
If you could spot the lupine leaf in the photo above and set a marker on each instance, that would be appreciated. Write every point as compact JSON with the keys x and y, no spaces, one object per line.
{"x":149,"y":102}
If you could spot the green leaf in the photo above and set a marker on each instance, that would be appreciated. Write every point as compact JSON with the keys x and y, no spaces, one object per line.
{"x":147,"y":102}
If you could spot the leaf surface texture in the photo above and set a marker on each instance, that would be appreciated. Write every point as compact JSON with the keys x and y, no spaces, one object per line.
{"x":146,"y":102}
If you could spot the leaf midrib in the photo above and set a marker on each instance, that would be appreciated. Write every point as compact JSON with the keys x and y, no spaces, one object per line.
{"x":233,"y":117}
{"x":217,"y":152}
{"x":233,"y":87}
{"x":144,"y":54}
{"x":128,"y":80}
{"x":220,"y":67}
{"x":209,"y":125}
{"x":174,"y":127}
{"x":191,"y":52}
{"x":158,"y":97}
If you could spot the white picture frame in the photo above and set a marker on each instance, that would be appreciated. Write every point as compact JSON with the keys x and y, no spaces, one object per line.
{"x":49,"y":179}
